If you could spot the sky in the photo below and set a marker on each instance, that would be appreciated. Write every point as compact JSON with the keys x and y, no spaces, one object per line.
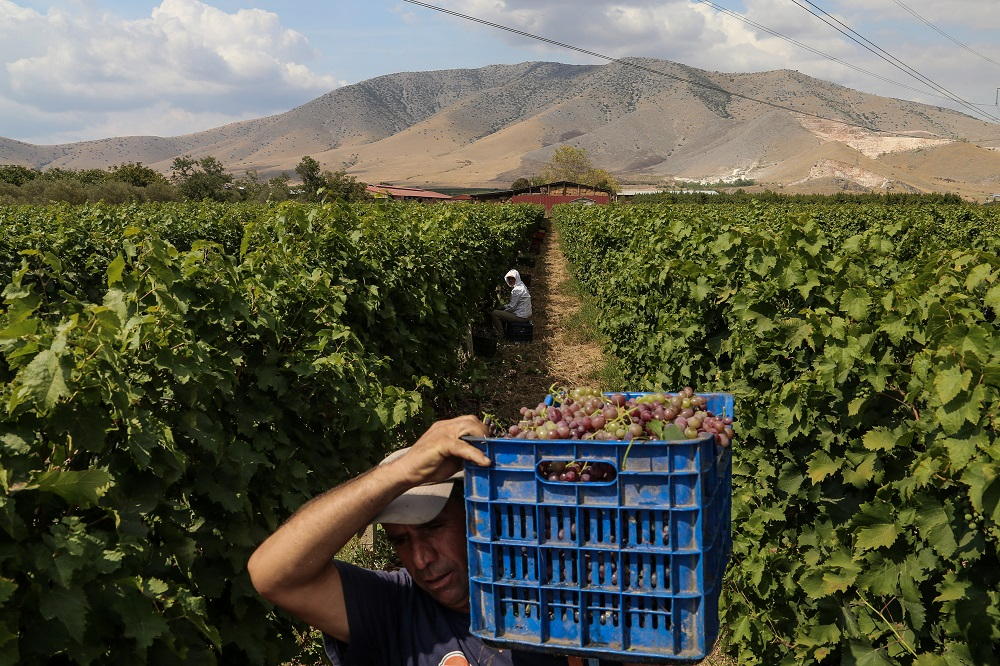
{"x":75,"y":70}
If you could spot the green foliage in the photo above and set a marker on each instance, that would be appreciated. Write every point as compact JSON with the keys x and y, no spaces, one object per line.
{"x":574,"y":165}
{"x":319,"y":185}
{"x":603,"y":180}
{"x":191,"y":179}
{"x":135,"y":174}
{"x":124,"y":183}
{"x":253,"y":188}
{"x":728,"y":197}
{"x":97,"y":176}
{"x":309,"y":170}
{"x":58,"y":173}
{"x":861,"y":344}
{"x":202,"y":179}
{"x":162,"y":419}
{"x":567,"y":163}
{"x":43,"y":191}
{"x":17,"y":175}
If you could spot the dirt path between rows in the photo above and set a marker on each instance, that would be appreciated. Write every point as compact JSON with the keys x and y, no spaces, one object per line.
{"x":522,"y":372}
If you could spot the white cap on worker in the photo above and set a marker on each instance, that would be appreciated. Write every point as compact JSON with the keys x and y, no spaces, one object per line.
{"x":419,"y":504}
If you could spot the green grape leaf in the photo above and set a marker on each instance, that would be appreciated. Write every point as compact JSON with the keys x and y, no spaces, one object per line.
{"x":838,"y":581}
{"x":812,"y":584}
{"x":933,"y":525}
{"x":879,"y":439}
{"x":7,"y":588}
{"x":44,"y":379}
{"x":866,"y":655}
{"x":952,"y":588}
{"x":790,"y":479}
{"x":672,"y":433}
{"x":78,"y":488}
{"x":876,"y":536}
{"x":950,"y":382}
{"x":977,"y":274}
{"x":68,"y":606}
{"x":992,"y":298}
{"x":821,"y":466}
{"x":856,"y":303}
{"x":115,"y":270}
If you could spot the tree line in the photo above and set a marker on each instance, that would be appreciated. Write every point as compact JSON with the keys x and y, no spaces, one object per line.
{"x":190,"y":179}
{"x":769,"y":196}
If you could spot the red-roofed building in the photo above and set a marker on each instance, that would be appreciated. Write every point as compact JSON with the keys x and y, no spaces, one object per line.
{"x":406,"y":193}
{"x":549,"y":194}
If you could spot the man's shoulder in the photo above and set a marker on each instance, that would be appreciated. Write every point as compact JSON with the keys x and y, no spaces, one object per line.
{"x":397,"y":576}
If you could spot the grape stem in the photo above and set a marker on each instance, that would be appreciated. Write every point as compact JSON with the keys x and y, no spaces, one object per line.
{"x":627,"y":449}
{"x":891,"y":625}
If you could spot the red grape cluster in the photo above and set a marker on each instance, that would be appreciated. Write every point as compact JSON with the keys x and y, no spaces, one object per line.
{"x":576,"y":471}
{"x":584,"y":413}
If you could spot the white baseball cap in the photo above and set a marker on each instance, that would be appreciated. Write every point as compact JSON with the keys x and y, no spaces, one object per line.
{"x":419,"y":504}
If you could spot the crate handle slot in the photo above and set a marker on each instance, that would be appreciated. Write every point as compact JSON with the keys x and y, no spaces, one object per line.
{"x":601,"y":472}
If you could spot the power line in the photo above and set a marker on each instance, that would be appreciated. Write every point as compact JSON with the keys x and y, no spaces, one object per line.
{"x":856,"y":37}
{"x":764,"y":28}
{"x":942,"y":32}
{"x":630,"y":63}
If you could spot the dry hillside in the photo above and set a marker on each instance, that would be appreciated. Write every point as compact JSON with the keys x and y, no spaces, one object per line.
{"x":646,"y":121}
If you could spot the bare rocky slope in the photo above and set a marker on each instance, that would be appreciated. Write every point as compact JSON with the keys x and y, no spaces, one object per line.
{"x":646,"y":121}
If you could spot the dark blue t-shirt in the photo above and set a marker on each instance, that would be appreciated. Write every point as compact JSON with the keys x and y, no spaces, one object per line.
{"x":395,"y":623}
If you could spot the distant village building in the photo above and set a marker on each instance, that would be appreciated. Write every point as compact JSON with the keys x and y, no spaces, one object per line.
{"x":398,"y":193}
{"x":626,"y":194}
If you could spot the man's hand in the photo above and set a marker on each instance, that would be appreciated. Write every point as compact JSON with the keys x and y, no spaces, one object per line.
{"x":440,"y":452}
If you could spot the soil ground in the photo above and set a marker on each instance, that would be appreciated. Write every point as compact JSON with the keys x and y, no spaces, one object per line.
{"x":563,"y":351}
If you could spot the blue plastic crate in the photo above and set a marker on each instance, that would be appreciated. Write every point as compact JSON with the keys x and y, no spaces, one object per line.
{"x":628,"y":569}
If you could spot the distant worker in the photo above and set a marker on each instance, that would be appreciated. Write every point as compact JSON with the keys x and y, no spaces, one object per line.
{"x":518,"y":311}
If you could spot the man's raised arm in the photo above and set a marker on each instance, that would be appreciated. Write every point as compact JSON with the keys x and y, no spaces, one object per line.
{"x":294,"y":567}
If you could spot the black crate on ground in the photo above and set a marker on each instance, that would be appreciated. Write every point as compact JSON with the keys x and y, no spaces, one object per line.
{"x":484,"y":345}
{"x":520,"y":332}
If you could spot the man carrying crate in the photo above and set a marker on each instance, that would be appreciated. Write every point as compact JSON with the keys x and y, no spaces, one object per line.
{"x":418,"y":616}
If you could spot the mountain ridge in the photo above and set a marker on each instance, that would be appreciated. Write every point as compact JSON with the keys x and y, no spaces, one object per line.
{"x":645,"y":121}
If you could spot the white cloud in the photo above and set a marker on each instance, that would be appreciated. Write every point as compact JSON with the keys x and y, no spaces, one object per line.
{"x":680,"y":30}
{"x":700,"y":35}
{"x":208,"y":63}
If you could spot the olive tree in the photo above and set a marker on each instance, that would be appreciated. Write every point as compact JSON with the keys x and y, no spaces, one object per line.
{"x":319,"y":185}
{"x":574,"y":165}
{"x":202,"y":179}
